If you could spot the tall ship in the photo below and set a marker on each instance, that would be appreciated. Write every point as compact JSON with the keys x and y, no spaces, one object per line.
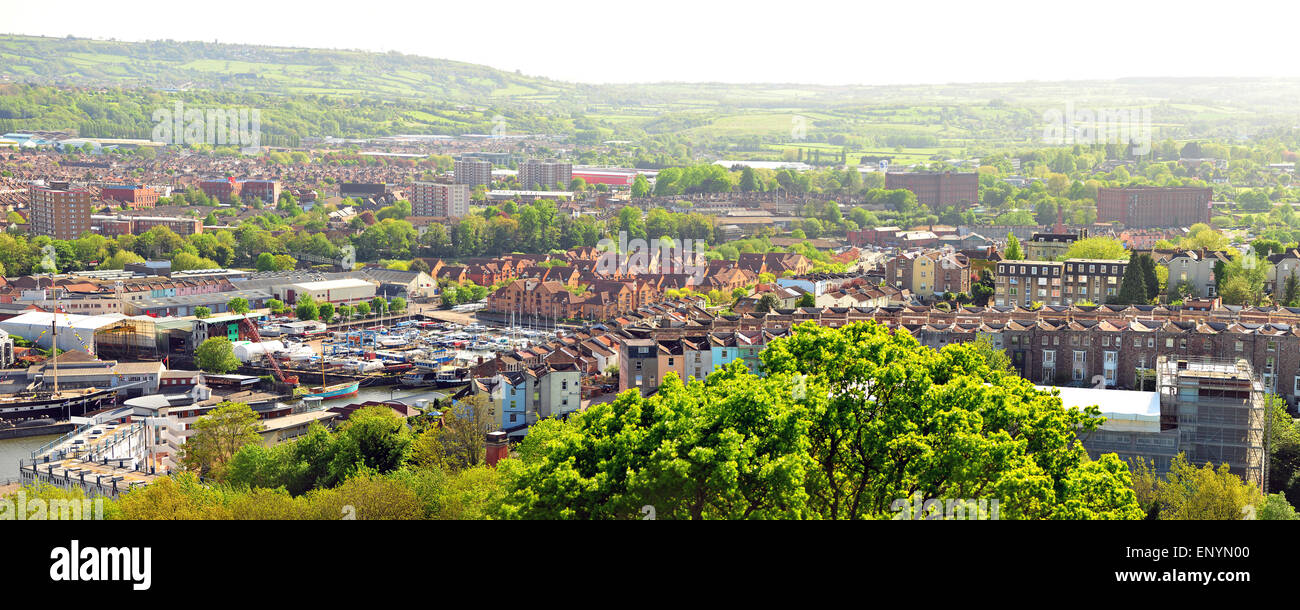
{"x":56,"y":405}
{"x":36,"y":401}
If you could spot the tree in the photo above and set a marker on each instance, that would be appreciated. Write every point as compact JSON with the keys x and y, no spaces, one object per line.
{"x":238,"y":305}
{"x":372,"y":438}
{"x":1099,"y":248}
{"x":326,"y":312}
{"x":767,"y":303}
{"x":218,"y":436}
{"x":398,"y":304}
{"x":1148,"y":268}
{"x":465,"y":427}
{"x":275,"y":305}
{"x":1013,"y":252}
{"x":306,"y":308}
{"x":640,"y":187}
{"x":1276,"y":508}
{"x":1283,"y":451}
{"x":202,"y":312}
{"x":379,"y":306}
{"x":719,"y":449}
{"x":890,"y":380}
{"x":216,"y":355}
{"x":997,"y":358}
{"x":807,"y":300}
{"x":362,"y":309}
{"x":1133,"y":286}
{"x":1190,"y":493}
{"x":1291,"y":290}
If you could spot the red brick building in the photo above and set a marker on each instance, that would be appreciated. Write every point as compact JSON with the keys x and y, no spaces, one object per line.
{"x":221,"y":190}
{"x":938,"y":189}
{"x":112,"y":226}
{"x":1149,"y":206}
{"x":266,"y":190}
{"x":135,"y":197}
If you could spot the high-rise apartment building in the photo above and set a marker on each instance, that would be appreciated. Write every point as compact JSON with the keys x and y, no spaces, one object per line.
{"x":474,"y":172}
{"x":58,"y":210}
{"x":543,"y":175}
{"x":442,"y":200}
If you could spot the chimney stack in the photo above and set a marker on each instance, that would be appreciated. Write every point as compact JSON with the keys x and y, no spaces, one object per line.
{"x":498,"y":447}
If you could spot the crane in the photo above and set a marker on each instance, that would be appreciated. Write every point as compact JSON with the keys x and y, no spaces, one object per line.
{"x":275,"y":364}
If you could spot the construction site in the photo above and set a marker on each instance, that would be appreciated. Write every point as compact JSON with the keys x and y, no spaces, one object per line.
{"x":1219,"y":410}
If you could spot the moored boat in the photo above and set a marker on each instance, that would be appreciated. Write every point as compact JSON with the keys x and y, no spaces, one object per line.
{"x":337,"y":390}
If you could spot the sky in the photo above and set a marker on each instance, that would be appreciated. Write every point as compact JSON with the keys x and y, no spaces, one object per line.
{"x":751,"y":41}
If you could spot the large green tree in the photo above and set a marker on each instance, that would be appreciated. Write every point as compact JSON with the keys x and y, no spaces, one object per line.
{"x":216,"y":355}
{"x":218,"y":436}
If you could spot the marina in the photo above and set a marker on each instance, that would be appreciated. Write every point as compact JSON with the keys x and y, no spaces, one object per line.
{"x":410,"y":354}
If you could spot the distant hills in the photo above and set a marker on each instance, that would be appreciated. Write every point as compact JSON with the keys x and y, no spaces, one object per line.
{"x":357,"y":93}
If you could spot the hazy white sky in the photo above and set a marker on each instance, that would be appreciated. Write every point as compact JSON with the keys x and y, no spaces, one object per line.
{"x":805,"y":41}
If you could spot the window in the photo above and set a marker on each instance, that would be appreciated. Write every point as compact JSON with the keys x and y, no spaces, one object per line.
{"x":1151,"y":341}
{"x":1237,"y":344}
{"x":1169,"y":342}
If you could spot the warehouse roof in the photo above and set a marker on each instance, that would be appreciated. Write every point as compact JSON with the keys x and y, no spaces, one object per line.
{"x":64,"y":320}
{"x":200,"y":299}
{"x":333,"y":284}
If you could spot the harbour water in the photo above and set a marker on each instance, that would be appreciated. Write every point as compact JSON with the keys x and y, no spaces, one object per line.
{"x":13,"y":449}
{"x":383,"y":393}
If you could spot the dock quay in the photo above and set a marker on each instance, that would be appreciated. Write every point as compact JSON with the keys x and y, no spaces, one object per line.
{"x":102,"y":458}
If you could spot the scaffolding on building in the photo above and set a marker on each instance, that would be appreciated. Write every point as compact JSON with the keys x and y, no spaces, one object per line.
{"x":1219,"y":408}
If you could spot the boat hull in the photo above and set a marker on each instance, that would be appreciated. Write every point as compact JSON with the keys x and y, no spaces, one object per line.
{"x":57,"y":408}
{"x":336,"y":391}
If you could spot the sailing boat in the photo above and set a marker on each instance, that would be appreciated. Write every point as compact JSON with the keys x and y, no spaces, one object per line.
{"x":338,"y":390}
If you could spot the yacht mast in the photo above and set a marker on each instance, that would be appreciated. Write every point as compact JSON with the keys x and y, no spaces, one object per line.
{"x":54,"y":341}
